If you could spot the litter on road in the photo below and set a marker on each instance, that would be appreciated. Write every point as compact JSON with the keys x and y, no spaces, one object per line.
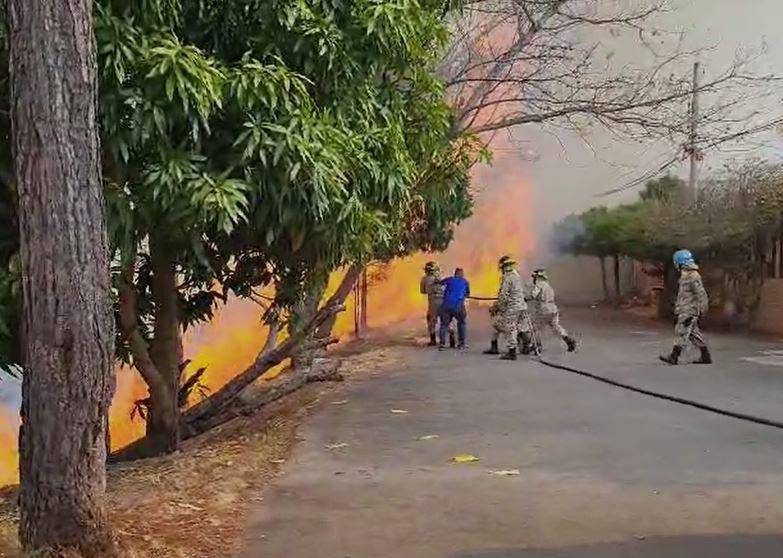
{"x":506,"y":473}
{"x":464,"y":458}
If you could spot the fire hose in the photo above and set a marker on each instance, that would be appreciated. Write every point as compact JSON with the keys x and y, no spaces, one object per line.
{"x":629,"y":387}
{"x":664,"y":396}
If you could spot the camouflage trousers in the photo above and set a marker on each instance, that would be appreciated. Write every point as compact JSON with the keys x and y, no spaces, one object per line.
{"x":553,"y":321}
{"x":509,"y":325}
{"x":433,"y":317}
{"x":687,"y":330}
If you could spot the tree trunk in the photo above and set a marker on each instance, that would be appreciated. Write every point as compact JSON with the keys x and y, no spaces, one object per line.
{"x":67,"y":319}
{"x":166,"y":352}
{"x":351,"y":276}
{"x":201,"y":414}
{"x":255,"y":397}
{"x":604,"y":282}
{"x":616,"y":270}
{"x":303,"y":314}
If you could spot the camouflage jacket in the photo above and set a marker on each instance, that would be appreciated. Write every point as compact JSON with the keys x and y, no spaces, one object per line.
{"x":430,"y":286}
{"x":692,"y":298}
{"x":544,"y":296}
{"x":511,"y":296}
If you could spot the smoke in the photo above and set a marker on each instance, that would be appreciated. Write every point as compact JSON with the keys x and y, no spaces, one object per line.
{"x":565,"y":234}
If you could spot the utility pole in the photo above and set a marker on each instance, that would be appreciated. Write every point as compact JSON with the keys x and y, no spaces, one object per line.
{"x":692,"y":148}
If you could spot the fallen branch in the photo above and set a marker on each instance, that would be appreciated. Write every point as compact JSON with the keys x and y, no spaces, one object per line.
{"x":257,"y":396}
{"x":198,"y":418}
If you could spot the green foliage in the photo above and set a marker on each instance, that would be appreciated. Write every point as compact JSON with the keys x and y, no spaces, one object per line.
{"x":626,"y":230}
{"x":732,"y":214}
{"x":270,"y":141}
{"x":10,"y":284}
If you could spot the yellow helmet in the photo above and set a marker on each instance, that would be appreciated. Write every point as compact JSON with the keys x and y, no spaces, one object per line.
{"x":506,"y":262}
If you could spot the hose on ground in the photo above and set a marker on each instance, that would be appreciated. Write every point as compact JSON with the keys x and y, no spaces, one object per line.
{"x":664,"y":396}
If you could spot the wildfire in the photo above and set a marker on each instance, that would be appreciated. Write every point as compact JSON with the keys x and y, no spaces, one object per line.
{"x":9,"y":460}
{"x":225,"y":346}
{"x":501,"y":224}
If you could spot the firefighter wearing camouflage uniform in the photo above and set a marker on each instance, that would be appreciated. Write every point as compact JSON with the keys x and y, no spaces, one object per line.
{"x":508,"y":309}
{"x":542,"y":293}
{"x":692,"y":302}
{"x":431,"y":286}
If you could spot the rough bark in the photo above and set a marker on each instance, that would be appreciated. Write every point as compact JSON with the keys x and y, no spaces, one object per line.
{"x":166,"y":351}
{"x":616,"y":272}
{"x":67,"y":320}
{"x":303,"y":314}
{"x":155,"y":360}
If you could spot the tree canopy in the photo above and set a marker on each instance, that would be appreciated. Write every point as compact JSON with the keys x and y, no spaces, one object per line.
{"x":266,"y":143}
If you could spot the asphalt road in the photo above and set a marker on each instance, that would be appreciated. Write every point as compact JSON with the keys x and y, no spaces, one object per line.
{"x":602,"y":472}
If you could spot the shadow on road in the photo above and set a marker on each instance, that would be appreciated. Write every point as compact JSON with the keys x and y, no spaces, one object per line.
{"x":706,"y":546}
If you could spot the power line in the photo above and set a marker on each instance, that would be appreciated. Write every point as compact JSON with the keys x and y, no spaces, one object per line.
{"x":769,"y":125}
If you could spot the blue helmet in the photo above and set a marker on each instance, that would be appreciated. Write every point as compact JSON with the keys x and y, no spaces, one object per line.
{"x":683,"y":257}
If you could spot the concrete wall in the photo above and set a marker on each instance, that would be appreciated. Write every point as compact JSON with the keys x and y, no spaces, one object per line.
{"x":577,"y":280}
{"x":769,"y":317}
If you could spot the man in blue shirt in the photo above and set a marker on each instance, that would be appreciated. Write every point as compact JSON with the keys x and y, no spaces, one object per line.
{"x":453,"y":307}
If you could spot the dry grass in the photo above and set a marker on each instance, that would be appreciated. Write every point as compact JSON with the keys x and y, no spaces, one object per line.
{"x":193,"y":504}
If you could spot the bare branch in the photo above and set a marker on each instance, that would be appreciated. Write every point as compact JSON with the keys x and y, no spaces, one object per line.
{"x":516,"y":62}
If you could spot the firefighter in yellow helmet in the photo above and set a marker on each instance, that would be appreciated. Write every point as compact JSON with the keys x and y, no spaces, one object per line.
{"x":431,"y":286}
{"x":508,"y":310}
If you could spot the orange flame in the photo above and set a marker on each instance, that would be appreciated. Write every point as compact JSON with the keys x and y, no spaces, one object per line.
{"x":9,"y":459}
{"x":501,"y":224}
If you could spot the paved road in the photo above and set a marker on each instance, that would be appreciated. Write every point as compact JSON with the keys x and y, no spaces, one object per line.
{"x":603,"y":472}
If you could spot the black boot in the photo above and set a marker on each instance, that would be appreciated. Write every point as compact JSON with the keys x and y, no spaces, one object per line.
{"x":674,"y":357}
{"x":452,"y":340}
{"x":570,"y":343}
{"x":524,"y":341}
{"x":510,"y":355}
{"x":493,"y":348}
{"x":706,"y":357}
{"x":433,"y":341}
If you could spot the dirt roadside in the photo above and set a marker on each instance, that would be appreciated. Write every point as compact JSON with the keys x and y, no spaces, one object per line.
{"x":192,"y":504}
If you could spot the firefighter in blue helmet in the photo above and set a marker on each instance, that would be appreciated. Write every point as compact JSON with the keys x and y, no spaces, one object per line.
{"x":692,"y":303}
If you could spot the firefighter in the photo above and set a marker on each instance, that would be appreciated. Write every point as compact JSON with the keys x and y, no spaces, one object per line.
{"x":542,"y":293}
{"x":508,"y":308}
{"x":692,"y":303}
{"x":431,"y":286}
{"x":499,"y":318}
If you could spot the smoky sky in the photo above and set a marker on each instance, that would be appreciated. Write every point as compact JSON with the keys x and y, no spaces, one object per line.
{"x":566,"y":171}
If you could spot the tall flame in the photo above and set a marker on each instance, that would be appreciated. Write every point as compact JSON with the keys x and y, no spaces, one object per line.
{"x":9,"y":460}
{"x":501,"y":225}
